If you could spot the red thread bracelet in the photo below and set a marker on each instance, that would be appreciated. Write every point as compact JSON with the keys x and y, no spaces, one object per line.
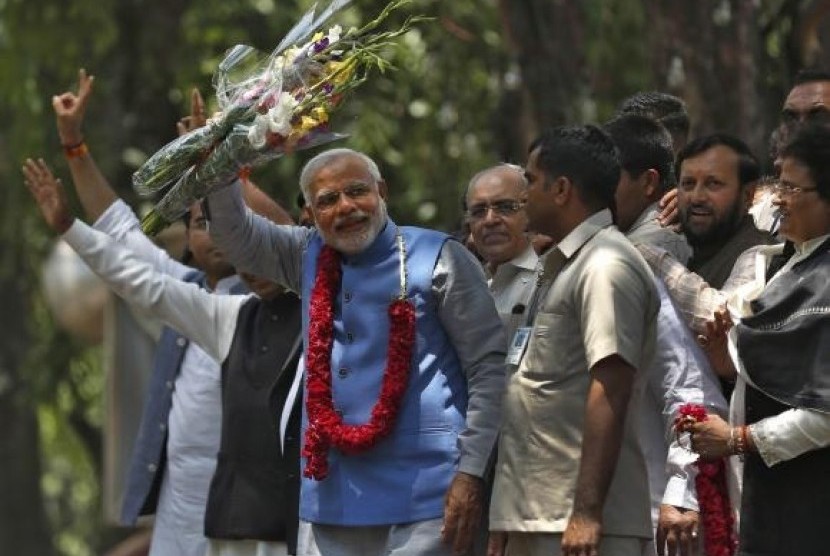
{"x":75,"y":151}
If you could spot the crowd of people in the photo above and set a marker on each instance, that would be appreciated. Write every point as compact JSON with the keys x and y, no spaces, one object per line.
{"x":356,"y":387}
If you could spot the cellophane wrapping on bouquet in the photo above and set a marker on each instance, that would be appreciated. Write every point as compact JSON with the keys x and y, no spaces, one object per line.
{"x":270,"y":105}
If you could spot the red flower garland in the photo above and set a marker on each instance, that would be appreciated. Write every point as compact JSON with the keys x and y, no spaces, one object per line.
{"x":325,"y":425}
{"x":719,"y":537}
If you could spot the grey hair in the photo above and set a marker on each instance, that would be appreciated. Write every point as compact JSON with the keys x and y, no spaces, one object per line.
{"x":323,"y":159}
{"x":502,"y":166}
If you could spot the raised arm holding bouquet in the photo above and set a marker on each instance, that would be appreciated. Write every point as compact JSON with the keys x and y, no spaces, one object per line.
{"x":270,"y":106}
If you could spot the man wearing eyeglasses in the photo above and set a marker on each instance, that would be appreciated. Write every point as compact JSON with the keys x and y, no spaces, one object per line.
{"x":386,"y":469}
{"x":571,"y":476}
{"x":679,"y":372}
{"x":498,"y":227}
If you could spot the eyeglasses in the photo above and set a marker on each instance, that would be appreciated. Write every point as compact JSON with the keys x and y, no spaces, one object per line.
{"x":786,"y":189}
{"x":502,"y":208}
{"x":354,"y":191}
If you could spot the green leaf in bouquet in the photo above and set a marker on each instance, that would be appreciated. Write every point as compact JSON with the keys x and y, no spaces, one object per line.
{"x":172,"y":160}
{"x":153,"y":223}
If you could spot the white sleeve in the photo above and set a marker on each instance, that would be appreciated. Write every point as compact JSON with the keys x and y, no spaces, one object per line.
{"x":790,"y":434}
{"x":684,"y":376}
{"x":120,"y":222}
{"x":681,"y":472}
{"x":205,"y":318}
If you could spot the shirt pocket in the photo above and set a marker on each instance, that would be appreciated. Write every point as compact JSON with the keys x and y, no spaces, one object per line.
{"x":553,"y":351}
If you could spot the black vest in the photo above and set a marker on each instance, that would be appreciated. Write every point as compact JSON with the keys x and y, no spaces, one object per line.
{"x":783,"y":507}
{"x":254,"y":493}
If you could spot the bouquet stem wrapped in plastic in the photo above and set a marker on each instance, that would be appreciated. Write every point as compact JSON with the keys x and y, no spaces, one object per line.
{"x":270,"y":105}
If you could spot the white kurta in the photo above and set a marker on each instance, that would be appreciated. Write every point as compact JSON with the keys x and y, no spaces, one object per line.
{"x":139,"y":274}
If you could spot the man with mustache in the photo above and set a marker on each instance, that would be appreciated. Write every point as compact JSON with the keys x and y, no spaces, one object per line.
{"x":404,"y":360}
{"x":498,"y":226}
{"x":494,"y":211}
{"x":571,"y":475}
{"x":780,"y":414}
{"x":679,"y":372}
{"x":716,"y":176}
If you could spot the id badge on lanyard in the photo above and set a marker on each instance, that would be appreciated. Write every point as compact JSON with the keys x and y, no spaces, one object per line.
{"x":518,"y":345}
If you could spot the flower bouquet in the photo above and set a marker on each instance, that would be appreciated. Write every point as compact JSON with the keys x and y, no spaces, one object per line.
{"x":270,"y":105}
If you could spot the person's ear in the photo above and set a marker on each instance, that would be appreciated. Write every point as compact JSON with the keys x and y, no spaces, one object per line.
{"x":563,"y":189}
{"x":650,"y":182}
{"x":383,"y":190}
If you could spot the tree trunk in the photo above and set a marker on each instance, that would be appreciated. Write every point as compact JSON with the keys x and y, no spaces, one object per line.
{"x":706,"y":52}
{"x":23,"y":525}
{"x":547,"y":39}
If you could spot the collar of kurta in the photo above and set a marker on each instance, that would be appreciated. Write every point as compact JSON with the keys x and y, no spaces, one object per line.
{"x":648,"y":215}
{"x":526,"y":260}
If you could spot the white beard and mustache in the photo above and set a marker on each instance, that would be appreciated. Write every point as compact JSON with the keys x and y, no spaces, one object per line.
{"x":352,"y":243}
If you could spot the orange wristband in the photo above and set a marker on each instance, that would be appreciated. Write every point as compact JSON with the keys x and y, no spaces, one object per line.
{"x":75,"y":151}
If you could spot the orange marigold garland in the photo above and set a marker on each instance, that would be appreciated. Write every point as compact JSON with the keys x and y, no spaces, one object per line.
{"x":325,"y":426}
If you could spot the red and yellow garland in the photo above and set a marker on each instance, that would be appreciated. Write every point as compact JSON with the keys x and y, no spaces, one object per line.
{"x":325,"y":426}
{"x":719,"y":537}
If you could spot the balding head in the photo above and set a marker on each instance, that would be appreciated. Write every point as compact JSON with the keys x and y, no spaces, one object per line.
{"x":495,"y":212}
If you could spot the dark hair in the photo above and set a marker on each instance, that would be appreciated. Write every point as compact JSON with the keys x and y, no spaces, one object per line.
{"x":667,"y":109}
{"x":587,"y":156}
{"x":644,"y":144}
{"x":810,"y":145}
{"x":186,"y":219}
{"x":749,"y":169}
{"x":810,"y":75}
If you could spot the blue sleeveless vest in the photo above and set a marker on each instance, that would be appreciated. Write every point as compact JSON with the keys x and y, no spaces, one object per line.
{"x":405,"y":476}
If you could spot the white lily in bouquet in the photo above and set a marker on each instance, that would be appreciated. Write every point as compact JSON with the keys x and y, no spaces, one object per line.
{"x":270,"y":106}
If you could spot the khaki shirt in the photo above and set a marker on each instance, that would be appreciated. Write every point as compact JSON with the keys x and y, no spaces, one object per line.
{"x":602,"y":303}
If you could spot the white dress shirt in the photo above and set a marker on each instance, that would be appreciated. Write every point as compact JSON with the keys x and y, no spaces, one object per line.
{"x":194,"y":423}
{"x":512,"y":285}
{"x":678,"y":374}
{"x":209,"y":321}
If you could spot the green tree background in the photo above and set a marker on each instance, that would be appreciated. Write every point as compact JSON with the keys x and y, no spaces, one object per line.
{"x":472,"y":88}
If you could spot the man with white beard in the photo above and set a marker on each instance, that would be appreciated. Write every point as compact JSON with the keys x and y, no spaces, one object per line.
{"x":404,"y":363}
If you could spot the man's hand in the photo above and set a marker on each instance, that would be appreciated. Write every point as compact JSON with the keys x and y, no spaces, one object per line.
{"x":49,"y":195}
{"x":582,"y":536}
{"x":669,"y":216}
{"x":462,"y":512}
{"x":496,"y":543}
{"x":714,"y":343}
{"x":677,"y":531}
{"x":197,"y":117}
{"x":69,"y":110}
